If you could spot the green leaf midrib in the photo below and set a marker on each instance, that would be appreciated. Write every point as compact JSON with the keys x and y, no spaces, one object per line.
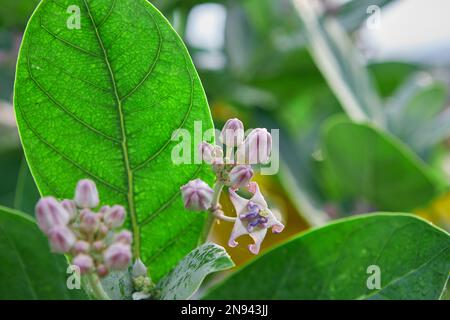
{"x":129,"y":170}
{"x":124,"y":143}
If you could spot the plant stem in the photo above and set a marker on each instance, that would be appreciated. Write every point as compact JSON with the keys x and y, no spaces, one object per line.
{"x":211,"y":217}
{"x":216,"y":195}
{"x":96,"y":287}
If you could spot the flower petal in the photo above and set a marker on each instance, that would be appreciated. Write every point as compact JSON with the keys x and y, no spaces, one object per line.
{"x":238,"y":230}
{"x":258,"y":236}
{"x":257,"y":195}
{"x":239,"y":203}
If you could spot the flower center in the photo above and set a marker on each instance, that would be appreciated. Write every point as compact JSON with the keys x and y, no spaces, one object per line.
{"x":255,"y":217}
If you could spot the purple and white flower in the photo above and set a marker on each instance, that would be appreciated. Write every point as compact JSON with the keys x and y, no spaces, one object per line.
{"x":253,"y":218}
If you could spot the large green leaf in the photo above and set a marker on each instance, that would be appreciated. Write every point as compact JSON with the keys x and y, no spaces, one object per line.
{"x":9,"y":170}
{"x":377,"y":167}
{"x":183,"y":281}
{"x":28,"y":269}
{"x":333,"y":262}
{"x":102,"y":102}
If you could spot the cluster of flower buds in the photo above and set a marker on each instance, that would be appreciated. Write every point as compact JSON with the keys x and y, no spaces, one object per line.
{"x":233,"y":169}
{"x":141,"y":281}
{"x":91,"y":239}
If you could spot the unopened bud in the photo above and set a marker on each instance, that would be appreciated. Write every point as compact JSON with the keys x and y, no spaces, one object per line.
{"x":124,"y":236}
{"x":240,"y":176}
{"x":197,"y":195}
{"x":50,"y":213}
{"x":88,"y":221}
{"x":102,"y":270}
{"x":84,"y":262}
{"x":103,"y":229}
{"x":233,"y":133}
{"x":61,"y":239}
{"x":98,"y":245}
{"x":139,"y":269}
{"x":256,"y":148}
{"x":86,"y":194}
{"x":115,"y":216}
{"x":206,"y":152}
{"x":81,"y":247}
{"x":117,"y":256}
{"x":103,"y":211}
{"x":70,"y":207}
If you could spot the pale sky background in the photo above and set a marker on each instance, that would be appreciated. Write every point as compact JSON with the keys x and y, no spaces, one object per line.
{"x":410,"y":30}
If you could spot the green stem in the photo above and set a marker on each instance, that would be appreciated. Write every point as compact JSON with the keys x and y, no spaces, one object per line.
{"x":216,"y":195}
{"x":211,"y":217}
{"x":96,"y":287}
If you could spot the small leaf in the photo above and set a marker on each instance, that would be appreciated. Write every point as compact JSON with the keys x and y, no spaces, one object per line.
{"x":377,"y":167}
{"x":336,"y":262}
{"x":186,"y":278}
{"x":102,"y":102}
{"x":28,"y":269}
{"x":118,"y":285}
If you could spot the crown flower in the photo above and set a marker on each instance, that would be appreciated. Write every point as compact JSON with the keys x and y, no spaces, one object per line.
{"x":253,"y":218}
{"x":234,"y":171}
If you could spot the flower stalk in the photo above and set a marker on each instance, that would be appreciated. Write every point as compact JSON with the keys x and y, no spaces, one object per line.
{"x":95,"y":286}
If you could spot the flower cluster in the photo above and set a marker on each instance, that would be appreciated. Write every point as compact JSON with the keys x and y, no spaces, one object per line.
{"x":143,"y":285}
{"x":233,"y":169}
{"x":91,"y":239}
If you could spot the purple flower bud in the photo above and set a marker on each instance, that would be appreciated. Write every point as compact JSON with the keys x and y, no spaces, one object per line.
{"x":61,"y":239}
{"x":139,"y":269}
{"x":210,"y":154}
{"x":206,"y":152}
{"x":103,"y":211}
{"x":240,"y":176}
{"x":256,"y":148}
{"x":81,"y":247}
{"x":70,"y":207}
{"x":89,"y":222}
{"x":103,"y":230}
{"x":124,"y":236}
{"x":102,"y":270}
{"x":86,"y":194}
{"x":98,"y":245}
{"x":197,"y":195}
{"x":115,"y":216}
{"x":50,"y":213}
{"x":84,"y":262}
{"x":232,"y":134}
{"x":117,"y":256}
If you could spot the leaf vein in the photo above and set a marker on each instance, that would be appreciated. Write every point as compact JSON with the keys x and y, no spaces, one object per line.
{"x":124,"y":143}
{"x":64,"y":156}
{"x":166,"y":144}
{"x":152,"y":66}
{"x":63,"y":108}
{"x":69,"y":44}
{"x":107,"y":15}
{"x":167,"y":203}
